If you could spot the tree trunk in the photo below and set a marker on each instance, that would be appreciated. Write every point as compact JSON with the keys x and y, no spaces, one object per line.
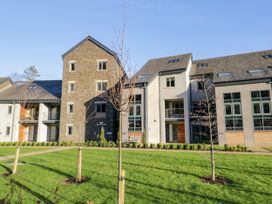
{"x":79,"y":164}
{"x":212,"y":161}
{"x":122,"y":196}
{"x":120,"y":159}
{"x":16,"y":160}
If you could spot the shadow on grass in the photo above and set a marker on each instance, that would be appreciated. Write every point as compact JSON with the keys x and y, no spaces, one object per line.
{"x":6,"y":168}
{"x":191,"y":194}
{"x":52,"y":170}
{"x":35,"y":194}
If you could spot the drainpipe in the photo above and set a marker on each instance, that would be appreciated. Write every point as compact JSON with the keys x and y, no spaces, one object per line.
{"x":160,"y":107}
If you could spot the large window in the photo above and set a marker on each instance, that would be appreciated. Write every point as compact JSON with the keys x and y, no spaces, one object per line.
{"x":101,"y":85}
{"x":261,"y":110}
{"x":233,"y":111}
{"x":135,"y":114}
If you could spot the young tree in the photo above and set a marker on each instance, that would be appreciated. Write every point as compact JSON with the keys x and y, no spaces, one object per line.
{"x":31,"y":73}
{"x":120,"y":92}
{"x":204,"y":114}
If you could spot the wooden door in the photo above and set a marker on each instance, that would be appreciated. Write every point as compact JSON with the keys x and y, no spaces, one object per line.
{"x":181,"y":133}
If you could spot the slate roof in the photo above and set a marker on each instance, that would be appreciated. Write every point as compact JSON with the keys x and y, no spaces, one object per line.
{"x":237,"y":65}
{"x":157,"y":65}
{"x":35,"y":91}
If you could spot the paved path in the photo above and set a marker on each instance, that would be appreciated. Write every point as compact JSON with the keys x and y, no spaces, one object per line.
{"x":57,"y":149}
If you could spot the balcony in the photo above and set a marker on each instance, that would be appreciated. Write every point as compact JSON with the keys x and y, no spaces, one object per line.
{"x":51,"y":117}
{"x":174,"y":113}
{"x":29,"y":119}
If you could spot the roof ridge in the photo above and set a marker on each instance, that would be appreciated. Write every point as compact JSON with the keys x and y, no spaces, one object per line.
{"x":189,"y":53}
{"x":232,"y":55}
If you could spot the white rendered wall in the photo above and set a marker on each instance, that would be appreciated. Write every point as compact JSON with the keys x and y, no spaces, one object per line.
{"x":42,"y":128}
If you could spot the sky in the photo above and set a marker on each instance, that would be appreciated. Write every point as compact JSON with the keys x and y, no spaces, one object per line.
{"x":38,"y":32}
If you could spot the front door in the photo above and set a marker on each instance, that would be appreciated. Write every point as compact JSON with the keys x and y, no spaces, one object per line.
{"x":175,"y":132}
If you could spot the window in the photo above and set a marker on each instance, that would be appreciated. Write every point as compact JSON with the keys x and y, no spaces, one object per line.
{"x":8,"y":131}
{"x":200,"y":85}
{"x":102,"y":65}
{"x":262,"y":116}
{"x":233,"y":111}
{"x":101,"y":85}
{"x":70,"y":107}
{"x":255,"y":71}
{"x":202,"y":65}
{"x":9,"y":110}
{"x":170,"y":82}
{"x":100,"y":108}
{"x":69,"y":130}
{"x":135,"y":114}
{"x":71,"y":86}
{"x":72,"y":66}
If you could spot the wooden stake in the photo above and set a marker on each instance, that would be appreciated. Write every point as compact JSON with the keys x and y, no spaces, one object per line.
{"x":122,"y":190}
{"x":16,"y":160}
{"x":79,"y":164}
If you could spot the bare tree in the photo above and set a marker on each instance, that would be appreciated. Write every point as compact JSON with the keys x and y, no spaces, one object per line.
{"x":120,"y":91}
{"x":31,"y":73}
{"x":204,"y":114}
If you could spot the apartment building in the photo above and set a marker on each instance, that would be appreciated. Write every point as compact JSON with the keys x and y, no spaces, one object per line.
{"x":88,"y":68}
{"x":161,"y":104}
{"x":242,"y":88}
{"x":30,"y":111}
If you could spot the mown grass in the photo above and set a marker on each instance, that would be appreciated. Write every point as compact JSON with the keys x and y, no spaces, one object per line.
{"x":151,"y":177}
{"x":4,"y":151}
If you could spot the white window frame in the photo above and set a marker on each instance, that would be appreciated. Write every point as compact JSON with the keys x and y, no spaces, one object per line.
{"x":70,"y":65}
{"x":68,"y":107}
{"x":69,"y":87}
{"x":170,"y":78}
{"x":102,"y":60}
{"x":67,"y":129}
{"x":100,"y":81}
{"x":9,"y":130}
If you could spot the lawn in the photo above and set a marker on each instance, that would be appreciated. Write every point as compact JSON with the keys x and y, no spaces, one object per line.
{"x":151,"y":177}
{"x":4,"y":151}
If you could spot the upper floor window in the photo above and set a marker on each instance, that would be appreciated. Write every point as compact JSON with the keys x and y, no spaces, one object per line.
{"x":72,"y":66}
{"x":9,"y":110}
{"x":261,"y":110}
{"x":267,"y":56}
{"x":200,"y":85}
{"x":100,"y":107}
{"x":71,"y":86}
{"x":202,"y":65}
{"x":102,"y":65}
{"x":70,"y":107}
{"x":233,"y":111}
{"x":101,"y":85}
{"x":170,"y":82}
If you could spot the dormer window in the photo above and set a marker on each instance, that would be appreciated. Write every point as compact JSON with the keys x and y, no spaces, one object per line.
{"x":224,"y":74}
{"x":173,"y":61}
{"x":202,"y":65}
{"x":267,"y":56}
{"x":102,"y":65}
{"x":72,"y":66}
{"x":269,"y":67}
{"x":255,"y":71}
{"x":32,"y":88}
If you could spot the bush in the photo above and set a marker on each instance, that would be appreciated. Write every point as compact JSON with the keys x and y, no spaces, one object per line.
{"x":179,"y":146}
{"x":134,"y":144}
{"x":185,"y":146}
{"x":173,"y":146}
{"x":153,"y":146}
{"x":226,"y":147}
{"x":102,"y":139}
{"x":159,"y":146}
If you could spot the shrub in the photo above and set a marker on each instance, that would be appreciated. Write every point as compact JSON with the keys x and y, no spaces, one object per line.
{"x":130,"y":145}
{"x":226,"y":147}
{"x":173,"y":146}
{"x":185,"y":146}
{"x":134,"y":144}
{"x":102,"y":139}
{"x":199,"y":147}
{"x":179,"y":146}
{"x":159,"y":146}
{"x":153,"y":146}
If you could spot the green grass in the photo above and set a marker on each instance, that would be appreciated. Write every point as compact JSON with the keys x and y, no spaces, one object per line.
{"x":4,"y":151}
{"x":151,"y":177}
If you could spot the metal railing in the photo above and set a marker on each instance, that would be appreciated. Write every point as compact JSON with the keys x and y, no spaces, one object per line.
{"x":174,"y":113}
{"x":51,"y":116}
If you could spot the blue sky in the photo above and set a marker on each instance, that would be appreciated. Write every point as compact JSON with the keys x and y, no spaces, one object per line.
{"x":39,"y":32}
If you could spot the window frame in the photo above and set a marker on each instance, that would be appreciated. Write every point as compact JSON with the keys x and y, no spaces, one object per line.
{"x":69,"y":86}
{"x":71,"y":64}
{"x":67,"y":129}
{"x":10,"y":109}
{"x":8,"y":130}
{"x":135,"y":118}
{"x":102,"y":61}
{"x":170,"y":80}
{"x":69,"y":104}
{"x":101,"y":82}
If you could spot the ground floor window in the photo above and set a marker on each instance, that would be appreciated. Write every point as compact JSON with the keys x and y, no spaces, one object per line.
{"x":52,"y":133}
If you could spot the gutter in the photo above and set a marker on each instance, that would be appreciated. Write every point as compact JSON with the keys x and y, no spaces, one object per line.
{"x":13,"y":117}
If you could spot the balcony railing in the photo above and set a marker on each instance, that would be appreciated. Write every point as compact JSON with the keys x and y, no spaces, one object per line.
{"x":174,"y":113}
{"x":29,"y":118}
{"x":51,"y":116}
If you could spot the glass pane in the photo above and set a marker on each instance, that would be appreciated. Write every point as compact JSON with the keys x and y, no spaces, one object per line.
{"x":257,"y":108}
{"x":173,"y":82}
{"x":138,"y":98}
{"x":131,"y":110}
{"x":255,"y":94}
{"x":265,"y":94}
{"x":268,"y":123}
{"x":266,"y":107}
{"x":236,"y":95}
{"x":138,"y":110}
{"x":227,"y":96}
{"x":228,"y":109}
{"x":258,"y":123}
{"x":237,"y":109}
{"x":229,"y":123}
{"x":238,"y":123}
